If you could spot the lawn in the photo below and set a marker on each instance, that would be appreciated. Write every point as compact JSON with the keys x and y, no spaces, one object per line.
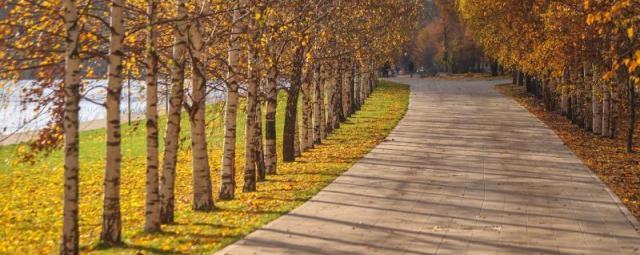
{"x":31,"y":209}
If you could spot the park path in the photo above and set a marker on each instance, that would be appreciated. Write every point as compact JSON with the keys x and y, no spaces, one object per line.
{"x":467,"y":171}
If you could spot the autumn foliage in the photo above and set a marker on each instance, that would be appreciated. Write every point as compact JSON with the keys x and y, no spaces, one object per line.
{"x":322,"y":54}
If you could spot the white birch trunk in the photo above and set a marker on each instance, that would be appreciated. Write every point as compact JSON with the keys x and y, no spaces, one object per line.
{"x":228,"y":183}
{"x":318,"y":105}
{"x":70,"y":232}
{"x":297,"y":152}
{"x":201,"y":178}
{"x":307,"y":112}
{"x":111,"y":218}
{"x":152,"y":198}
{"x":251,"y":109}
{"x":271,"y":155}
{"x":172,"y":137}
{"x":330,"y":88}
{"x":261,"y":168}
{"x":271,"y":98}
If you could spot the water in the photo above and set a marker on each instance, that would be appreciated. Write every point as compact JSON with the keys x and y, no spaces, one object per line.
{"x":19,"y":117}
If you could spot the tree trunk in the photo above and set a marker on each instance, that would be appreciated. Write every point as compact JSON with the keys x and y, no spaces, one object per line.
{"x":361,"y":88}
{"x":331,"y":98}
{"x":307,"y":112}
{"x":614,"y":112}
{"x":297,"y":150}
{"x":355,"y":97}
{"x":520,"y":78}
{"x":574,"y":108}
{"x":253,"y":81}
{"x":152,"y":199}
{"x":340,"y":95}
{"x":632,"y":115}
{"x":543,"y":92}
{"x":318,"y":105}
{"x":596,"y":111}
{"x":351,"y":91}
{"x":494,"y":68}
{"x":606,"y":112}
{"x":271,"y":155}
{"x":201,"y":178}
{"x":564,"y":103}
{"x":291,"y":111}
{"x":111,"y":221}
{"x":172,"y":135}
{"x":261,"y":167}
{"x":70,"y":232}
{"x":228,"y":183}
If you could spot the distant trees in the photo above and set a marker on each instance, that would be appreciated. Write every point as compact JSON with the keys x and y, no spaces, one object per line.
{"x":580,"y":57}
{"x":322,"y":52}
{"x":443,"y":43}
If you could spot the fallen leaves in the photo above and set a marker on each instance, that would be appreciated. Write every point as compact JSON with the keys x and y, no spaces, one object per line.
{"x":608,"y":158}
{"x":32,"y":195}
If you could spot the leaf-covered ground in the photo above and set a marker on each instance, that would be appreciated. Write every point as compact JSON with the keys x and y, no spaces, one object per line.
{"x":31,"y":208}
{"x":606,"y":157}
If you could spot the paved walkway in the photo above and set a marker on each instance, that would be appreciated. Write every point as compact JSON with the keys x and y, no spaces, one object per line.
{"x":467,"y":171}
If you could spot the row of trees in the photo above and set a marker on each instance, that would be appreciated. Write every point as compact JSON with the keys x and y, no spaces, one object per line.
{"x":322,"y":51}
{"x":443,"y":44}
{"x":581,"y":57}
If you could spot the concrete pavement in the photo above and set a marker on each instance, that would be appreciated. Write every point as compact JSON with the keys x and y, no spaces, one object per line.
{"x":467,"y":171}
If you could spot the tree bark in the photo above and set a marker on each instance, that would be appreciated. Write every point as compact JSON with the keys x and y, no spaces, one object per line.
{"x":350,"y":90}
{"x":252,"y":115}
{"x":632,"y":114}
{"x":228,"y":183}
{"x":271,"y":98}
{"x":606,"y":113}
{"x":172,"y":135}
{"x":307,"y":111}
{"x":564,"y":102}
{"x":261,"y":168}
{"x":318,"y":105}
{"x":291,"y":111}
{"x":111,"y":221}
{"x":201,"y":178}
{"x":271,"y":154}
{"x":152,"y":199}
{"x":520,"y":78}
{"x":596,"y":110}
{"x":357,"y":78}
{"x":339,"y":107}
{"x":297,"y":150}
{"x":70,"y":233}
{"x":331,"y":98}
{"x":614,"y":113}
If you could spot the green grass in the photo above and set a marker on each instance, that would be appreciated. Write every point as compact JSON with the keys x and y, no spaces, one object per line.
{"x":30,"y":214}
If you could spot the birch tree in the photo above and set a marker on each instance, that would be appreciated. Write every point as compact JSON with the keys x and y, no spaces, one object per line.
{"x":152,"y":199}
{"x":253,"y":82}
{"x":111,"y":219}
{"x":70,"y":232}
{"x":172,"y":136}
{"x":202,"y":190}
{"x":228,"y":183}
